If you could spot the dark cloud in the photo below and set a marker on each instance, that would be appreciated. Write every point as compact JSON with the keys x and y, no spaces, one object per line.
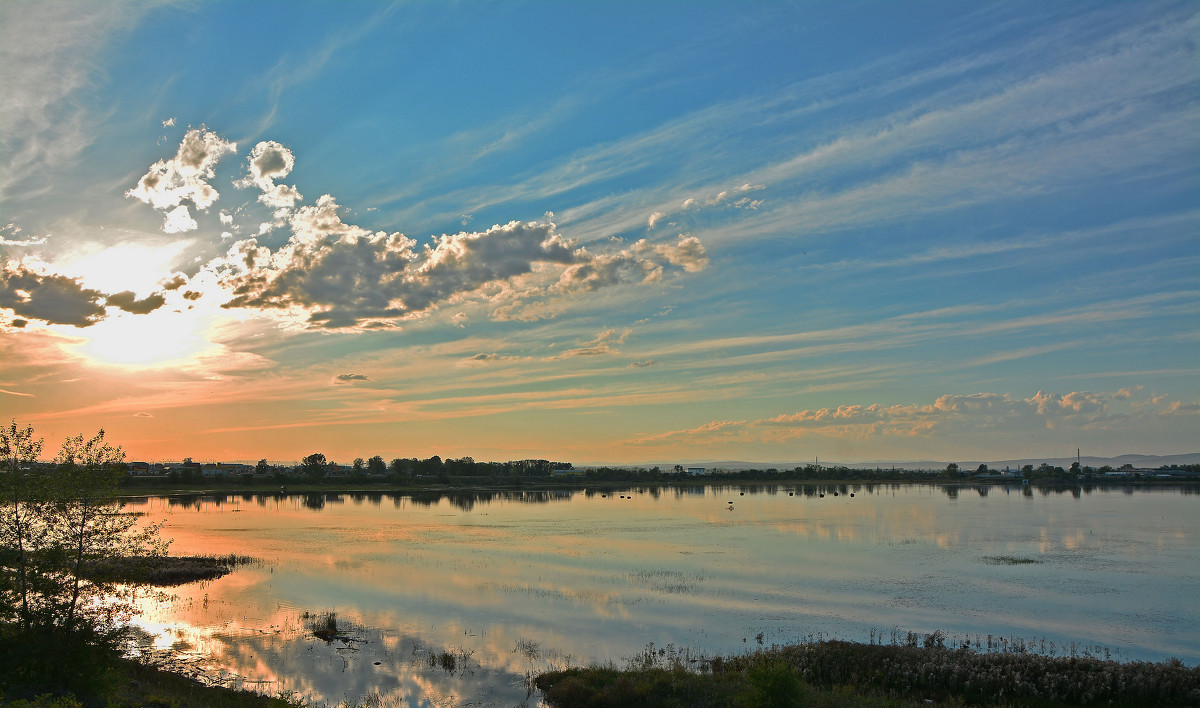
{"x":347,"y":378}
{"x":175,"y":283}
{"x":346,"y":275}
{"x":643,"y":364}
{"x":19,"y":323}
{"x":128,"y":302}
{"x":55,"y":299}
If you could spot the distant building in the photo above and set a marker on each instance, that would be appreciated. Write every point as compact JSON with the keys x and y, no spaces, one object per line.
{"x":697,"y":471}
{"x":212,"y":469}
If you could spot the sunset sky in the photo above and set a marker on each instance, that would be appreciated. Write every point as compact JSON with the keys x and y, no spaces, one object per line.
{"x":602,"y":232}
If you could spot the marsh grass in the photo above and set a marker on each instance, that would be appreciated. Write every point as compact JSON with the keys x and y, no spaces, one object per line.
{"x":1011,"y":560}
{"x":670,"y":582}
{"x":163,"y":571}
{"x":854,"y":674}
{"x":529,"y":648}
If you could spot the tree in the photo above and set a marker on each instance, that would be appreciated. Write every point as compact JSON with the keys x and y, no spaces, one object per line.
{"x":951,"y":470}
{"x":982,"y":469}
{"x":22,"y":506}
{"x":314,"y":465}
{"x":262,"y":467}
{"x":59,"y":524}
{"x":360,"y":466}
{"x":376,"y":466}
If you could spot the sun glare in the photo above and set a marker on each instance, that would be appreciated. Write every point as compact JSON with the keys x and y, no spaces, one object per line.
{"x":162,"y":338}
{"x":127,"y":266}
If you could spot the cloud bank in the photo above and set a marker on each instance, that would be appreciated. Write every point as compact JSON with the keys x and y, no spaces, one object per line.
{"x":948,"y":413}
{"x":343,"y":275}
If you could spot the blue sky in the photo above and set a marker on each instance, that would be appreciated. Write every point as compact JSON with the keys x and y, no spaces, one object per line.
{"x":602,"y":232}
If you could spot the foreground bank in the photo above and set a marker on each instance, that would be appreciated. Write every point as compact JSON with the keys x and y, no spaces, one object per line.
{"x":830,"y":673}
{"x":837,"y":673}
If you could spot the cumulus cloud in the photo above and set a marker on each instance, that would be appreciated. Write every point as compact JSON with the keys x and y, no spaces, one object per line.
{"x":689,"y":253}
{"x":340,"y":275}
{"x":347,"y":276}
{"x":186,"y":176}
{"x":654,"y":219}
{"x":641,"y":262}
{"x":128,"y":302}
{"x":270,"y":161}
{"x":51,"y":298}
{"x":179,"y":220}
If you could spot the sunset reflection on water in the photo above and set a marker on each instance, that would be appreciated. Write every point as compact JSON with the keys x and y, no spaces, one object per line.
{"x":588,"y":577}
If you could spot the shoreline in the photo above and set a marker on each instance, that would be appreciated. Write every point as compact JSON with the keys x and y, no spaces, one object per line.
{"x":175,"y":489}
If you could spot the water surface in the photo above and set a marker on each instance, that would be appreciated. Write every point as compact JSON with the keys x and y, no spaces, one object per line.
{"x":513,"y":584}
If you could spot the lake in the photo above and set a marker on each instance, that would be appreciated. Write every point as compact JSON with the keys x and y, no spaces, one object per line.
{"x":457,"y":600}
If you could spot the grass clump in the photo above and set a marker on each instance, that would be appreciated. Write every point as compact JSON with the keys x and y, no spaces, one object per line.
{"x":323,"y":626}
{"x":1011,"y":560}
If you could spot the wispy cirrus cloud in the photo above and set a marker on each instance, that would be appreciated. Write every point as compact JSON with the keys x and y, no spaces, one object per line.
{"x":41,"y":127}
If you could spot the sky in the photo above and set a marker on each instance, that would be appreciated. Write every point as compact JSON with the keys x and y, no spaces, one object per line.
{"x":602,"y":232}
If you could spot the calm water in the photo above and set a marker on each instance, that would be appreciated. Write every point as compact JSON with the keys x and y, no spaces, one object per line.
{"x":516,"y":584}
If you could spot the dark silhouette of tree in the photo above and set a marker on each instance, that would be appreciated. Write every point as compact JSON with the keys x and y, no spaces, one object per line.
{"x":314,"y":465}
{"x":59,"y":622}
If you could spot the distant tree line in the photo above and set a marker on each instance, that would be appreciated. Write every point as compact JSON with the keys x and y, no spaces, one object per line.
{"x":317,"y":467}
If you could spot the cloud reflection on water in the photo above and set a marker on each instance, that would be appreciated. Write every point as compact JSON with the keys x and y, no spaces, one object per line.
{"x":595,"y":577}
